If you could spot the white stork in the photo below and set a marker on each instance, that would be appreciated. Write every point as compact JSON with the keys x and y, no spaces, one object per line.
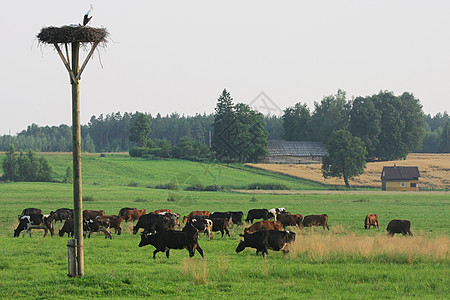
{"x":88,"y":16}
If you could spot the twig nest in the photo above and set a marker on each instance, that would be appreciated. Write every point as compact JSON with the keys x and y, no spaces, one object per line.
{"x":71,"y":34}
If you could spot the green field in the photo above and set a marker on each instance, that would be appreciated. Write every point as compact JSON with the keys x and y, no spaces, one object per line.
{"x":334,"y":264}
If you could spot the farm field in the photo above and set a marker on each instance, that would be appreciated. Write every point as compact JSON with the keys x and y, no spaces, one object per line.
{"x":345,"y":262}
{"x":434,"y":171}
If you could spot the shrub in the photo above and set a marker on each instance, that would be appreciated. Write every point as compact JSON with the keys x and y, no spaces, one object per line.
{"x":140,"y":200}
{"x":133,"y":184}
{"x":194,"y":187}
{"x":167,"y":186}
{"x":171,"y":199}
{"x":253,"y":199}
{"x":88,"y":198}
{"x":212,"y":188}
{"x":267,"y":186}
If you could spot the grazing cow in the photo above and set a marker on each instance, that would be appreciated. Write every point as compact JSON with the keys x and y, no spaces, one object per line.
{"x":371,"y":220}
{"x":68,"y":228}
{"x":34,"y":221}
{"x":287,"y":219}
{"x":152,"y":223}
{"x":114,"y":222}
{"x":123,"y":211}
{"x":221,"y":215}
{"x":134,"y":214}
{"x":61,"y":214}
{"x":276,"y":211}
{"x":158,"y":211}
{"x":267,"y":239}
{"x":172,"y":215}
{"x":399,"y":226}
{"x":257,"y":214}
{"x":264,"y":225}
{"x":92,"y":214}
{"x":166,"y":240}
{"x":96,"y":225}
{"x":316,"y":220}
{"x":220,"y":225}
{"x":196,"y":213}
{"x":236,"y":217}
{"x":29,"y":211}
{"x":201,"y":224}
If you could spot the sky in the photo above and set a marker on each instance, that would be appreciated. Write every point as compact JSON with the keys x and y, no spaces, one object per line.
{"x":178,"y":56}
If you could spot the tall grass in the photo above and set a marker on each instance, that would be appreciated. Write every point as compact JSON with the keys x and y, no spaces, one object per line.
{"x":315,"y":247}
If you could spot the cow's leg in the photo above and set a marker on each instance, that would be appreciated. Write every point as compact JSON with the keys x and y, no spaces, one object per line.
{"x":228,"y":233}
{"x":45,"y":231}
{"x":154,"y":253}
{"x":119,"y":230}
{"x":167,"y":254}
{"x":199,"y":250}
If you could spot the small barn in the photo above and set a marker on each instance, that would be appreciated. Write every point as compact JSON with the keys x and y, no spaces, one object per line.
{"x":399,"y":178}
{"x":295,"y":152}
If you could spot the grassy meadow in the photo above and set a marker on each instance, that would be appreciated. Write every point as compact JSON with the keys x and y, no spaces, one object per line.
{"x":345,"y":262}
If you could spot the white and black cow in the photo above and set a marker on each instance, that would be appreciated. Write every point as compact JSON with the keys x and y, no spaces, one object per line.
{"x":34,"y":221}
{"x":276,"y":211}
{"x":96,"y":225}
{"x":267,"y":239}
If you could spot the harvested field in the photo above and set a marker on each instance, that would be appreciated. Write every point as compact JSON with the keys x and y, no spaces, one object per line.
{"x":434,"y":170}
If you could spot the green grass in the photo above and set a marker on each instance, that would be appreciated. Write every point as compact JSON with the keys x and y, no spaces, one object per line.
{"x":118,"y":268}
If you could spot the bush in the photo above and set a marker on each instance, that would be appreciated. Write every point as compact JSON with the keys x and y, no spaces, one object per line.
{"x":167,"y":186}
{"x":267,"y":186}
{"x":171,"y":199}
{"x":253,"y":199}
{"x":212,"y":188}
{"x":194,"y":187}
{"x":133,"y":184}
{"x":88,"y":198}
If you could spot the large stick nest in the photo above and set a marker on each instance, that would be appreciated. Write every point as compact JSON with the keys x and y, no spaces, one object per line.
{"x":70,"y":34}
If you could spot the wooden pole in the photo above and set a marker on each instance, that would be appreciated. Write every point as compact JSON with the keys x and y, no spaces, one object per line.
{"x":76,"y":134}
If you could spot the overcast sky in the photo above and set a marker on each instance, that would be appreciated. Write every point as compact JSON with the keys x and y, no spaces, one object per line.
{"x":178,"y":56}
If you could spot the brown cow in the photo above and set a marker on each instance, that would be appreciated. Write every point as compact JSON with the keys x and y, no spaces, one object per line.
{"x":371,"y":220}
{"x":92,"y":214}
{"x":196,"y":213}
{"x":114,"y":222}
{"x":158,"y":211}
{"x":316,"y":220}
{"x":264,"y":225}
{"x":134,"y":214}
{"x":290,"y":220}
{"x":68,"y":228}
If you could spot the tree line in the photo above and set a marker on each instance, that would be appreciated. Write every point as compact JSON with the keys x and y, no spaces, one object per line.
{"x":378,"y":120}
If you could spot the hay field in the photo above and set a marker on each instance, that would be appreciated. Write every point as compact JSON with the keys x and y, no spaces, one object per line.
{"x":434,"y":171}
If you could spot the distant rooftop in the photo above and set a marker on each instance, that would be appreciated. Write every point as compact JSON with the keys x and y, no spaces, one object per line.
{"x":400,"y":173}
{"x":294,"y":148}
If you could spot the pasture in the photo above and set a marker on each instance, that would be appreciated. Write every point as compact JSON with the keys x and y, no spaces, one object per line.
{"x":345,"y":262}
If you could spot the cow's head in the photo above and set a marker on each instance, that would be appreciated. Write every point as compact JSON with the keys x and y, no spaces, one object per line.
{"x":241,"y":246}
{"x":146,"y":239}
{"x":291,"y":236}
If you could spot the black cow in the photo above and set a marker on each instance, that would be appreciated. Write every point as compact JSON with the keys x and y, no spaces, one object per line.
{"x":61,"y":214}
{"x":34,"y":221}
{"x":399,"y":226}
{"x":124,"y":210}
{"x":29,"y":211}
{"x":68,"y":228}
{"x":236,"y":217}
{"x":96,"y":225}
{"x":267,"y":239}
{"x":316,"y":220}
{"x":166,"y":240}
{"x":220,"y":215}
{"x":257,"y":214}
{"x":152,"y":223}
{"x":220,"y":225}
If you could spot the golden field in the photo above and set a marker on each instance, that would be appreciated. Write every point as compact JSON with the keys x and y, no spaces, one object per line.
{"x":434,"y":171}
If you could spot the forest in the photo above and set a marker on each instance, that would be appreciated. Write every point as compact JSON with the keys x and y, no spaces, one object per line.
{"x":110,"y":132}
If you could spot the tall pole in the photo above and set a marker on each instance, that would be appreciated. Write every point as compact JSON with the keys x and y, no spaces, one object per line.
{"x":76,"y":142}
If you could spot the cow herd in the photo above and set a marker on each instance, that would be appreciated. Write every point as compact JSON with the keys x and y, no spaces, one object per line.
{"x":159,"y":226}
